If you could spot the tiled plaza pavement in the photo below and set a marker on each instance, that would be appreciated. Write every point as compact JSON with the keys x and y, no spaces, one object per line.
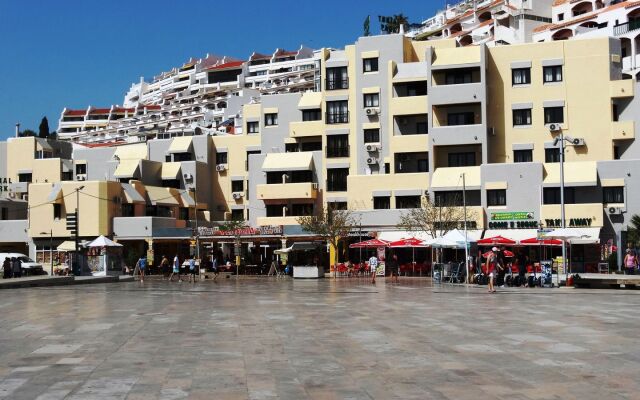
{"x":345,"y":339}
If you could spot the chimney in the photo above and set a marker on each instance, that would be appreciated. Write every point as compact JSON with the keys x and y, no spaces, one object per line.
{"x":18,"y":129}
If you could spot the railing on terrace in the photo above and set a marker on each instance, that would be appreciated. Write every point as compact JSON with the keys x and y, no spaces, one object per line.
{"x":630,"y":26}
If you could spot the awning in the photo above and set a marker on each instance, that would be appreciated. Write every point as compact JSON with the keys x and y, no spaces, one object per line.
{"x":181,"y":144}
{"x":310,"y":101}
{"x":43,"y":145}
{"x":187,"y":200}
{"x":451,"y":178}
{"x":579,"y":173}
{"x":160,"y":196}
{"x":127,"y":169}
{"x":170,"y":170}
{"x":297,"y":246}
{"x":67,"y":245}
{"x":582,"y":235}
{"x":298,"y":161}
{"x":515,"y":234}
{"x":131,"y":194}
{"x":55,"y":196}
{"x":136,"y":151}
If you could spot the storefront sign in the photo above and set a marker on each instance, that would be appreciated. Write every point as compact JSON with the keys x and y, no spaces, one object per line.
{"x":4,"y":184}
{"x":573,"y":222}
{"x":512,"y":220}
{"x":267,"y":230}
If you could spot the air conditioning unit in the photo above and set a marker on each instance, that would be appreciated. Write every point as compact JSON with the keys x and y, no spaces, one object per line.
{"x":372,"y":111}
{"x":578,"y":142}
{"x":237,"y":195}
{"x":372,"y":160}
{"x":373,"y":147}
{"x":221,"y":167}
{"x":315,"y":186}
{"x":187,"y":176}
{"x":81,"y":177}
{"x":615,"y":210}
{"x":555,"y":127}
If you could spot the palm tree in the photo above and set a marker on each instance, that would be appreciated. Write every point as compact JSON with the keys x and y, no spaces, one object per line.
{"x":633,"y":229}
{"x":396,"y":22}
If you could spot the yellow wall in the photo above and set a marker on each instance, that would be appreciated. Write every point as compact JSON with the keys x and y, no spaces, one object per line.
{"x":47,"y":170}
{"x":20,"y":156}
{"x":360,"y":187}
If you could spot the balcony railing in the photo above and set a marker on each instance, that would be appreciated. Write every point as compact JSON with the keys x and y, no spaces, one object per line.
{"x":337,"y":118}
{"x":337,"y":151}
{"x":337,"y":84}
{"x":630,"y":26}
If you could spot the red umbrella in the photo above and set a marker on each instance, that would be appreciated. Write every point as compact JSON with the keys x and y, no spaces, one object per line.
{"x":409,"y":242}
{"x":496,"y":240}
{"x":372,"y":243}
{"x":541,"y":242}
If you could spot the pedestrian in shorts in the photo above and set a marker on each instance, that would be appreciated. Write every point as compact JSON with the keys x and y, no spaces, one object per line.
{"x":192,"y":270}
{"x":176,"y":269}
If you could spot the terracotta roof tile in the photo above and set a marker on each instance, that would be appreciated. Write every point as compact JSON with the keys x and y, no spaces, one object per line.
{"x":229,"y":65}
{"x":75,"y":112}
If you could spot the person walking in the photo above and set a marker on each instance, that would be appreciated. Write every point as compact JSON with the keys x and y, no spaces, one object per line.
{"x":373,"y":266}
{"x":522,"y":260}
{"x":394,"y":268}
{"x":142,"y":266}
{"x":6,"y":268}
{"x":176,"y":269}
{"x":16,"y":266}
{"x":492,"y":261}
{"x":192,"y":270}
{"x":164,"y":267}
{"x":214,"y":268}
{"x":630,"y":261}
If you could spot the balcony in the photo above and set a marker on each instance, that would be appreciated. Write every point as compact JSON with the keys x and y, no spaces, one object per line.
{"x":337,"y":118}
{"x":621,"y":88}
{"x":621,"y":29}
{"x":621,"y":130}
{"x":409,"y":105}
{"x":576,"y":215}
{"x":262,"y":221}
{"x":283,"y":191}
{"x":306,"y":128}
{"x":337,"y":84}
{"x":142,"y":227}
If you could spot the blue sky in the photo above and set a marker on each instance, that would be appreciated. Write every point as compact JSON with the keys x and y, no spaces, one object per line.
{"x":78,"y":53}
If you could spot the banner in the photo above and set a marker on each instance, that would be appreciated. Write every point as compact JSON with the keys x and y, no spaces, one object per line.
{"x":380,"y":270}
{"x":511,"y":216}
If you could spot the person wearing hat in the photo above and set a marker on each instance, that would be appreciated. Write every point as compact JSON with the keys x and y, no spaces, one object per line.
{"x":492,"y":261}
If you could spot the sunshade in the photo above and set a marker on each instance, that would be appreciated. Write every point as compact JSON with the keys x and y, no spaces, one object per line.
{"x":409,"y":242}
{"x":566,"y":233}
{"x":67,"y":245}
{"x":496,"y":240}
{"x":102,"y":241}
{"x":534,"y":241}
{"x":369,"y":244}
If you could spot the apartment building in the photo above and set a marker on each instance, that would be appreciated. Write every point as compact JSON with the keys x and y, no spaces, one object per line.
{"x":391,"y":121}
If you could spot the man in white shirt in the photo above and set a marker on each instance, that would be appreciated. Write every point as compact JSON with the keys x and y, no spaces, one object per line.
{"x":373,"y":265}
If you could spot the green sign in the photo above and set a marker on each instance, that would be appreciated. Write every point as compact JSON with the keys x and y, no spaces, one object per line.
{"x":511,"y":216}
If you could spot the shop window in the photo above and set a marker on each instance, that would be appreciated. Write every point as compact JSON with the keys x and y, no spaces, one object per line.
{"x":381,"y":203}
{"x":496,"y":197}
{"x":614,"y":194}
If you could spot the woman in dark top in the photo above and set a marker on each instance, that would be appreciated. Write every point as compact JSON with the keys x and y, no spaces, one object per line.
{"x":6,"y":268}
{"x":522,"y":267}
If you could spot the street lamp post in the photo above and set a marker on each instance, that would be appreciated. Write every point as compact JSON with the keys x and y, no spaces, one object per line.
{"x":50,"y":248}
{"x":77,"y":236}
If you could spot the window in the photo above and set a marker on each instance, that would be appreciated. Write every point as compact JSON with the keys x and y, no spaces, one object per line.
{"x":183,"y":213}
{"x":458,"y":77}
{"x":237,"y":186}
{"x":338,"y":205}
{"x":81,"y":169}
{"x":553,"y":115}
{"x":521,"y":76}
{"x":372,"y":100}
{"x":275,"y":210}
{"x":448,"y":199}
{"x":552,"y":74}
{"x":127,"y":210}
{"x":271,"y":119}
{"x":253,"y":127}
{"x":57,"y":211}
{"x":182,"y":157}
{"x":372,"y":135}
{"x":615,"y":116}
{"x":337,"y":78}
{"x":221,"y":157}
{"x":311,"y":115}
{"x":552,"y":195}
{"x":4,"y":213}
{"x":466,"y":159}
{"x":370,"y":64}
{"x":614,"y":194}
{"x":522,"y":117}
{"x":337,"y":112}
{"x":497,"y":197}
{"x":311,"y":146}
{"x":522,"y":156}
{"x":237,"y":215}
{"x":422,"y":128}
{"x":301,"y":209}
{"x":561,"y":17}
{"x":337,"y":179}
{"x":551,"y":155}
{"x":25,"y":178}
{"x":407,"y":201}
{"x":462,"y":118}
{"x":338,"y":146}
{"x":382,"y":203}
{"x":171,"y":183}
